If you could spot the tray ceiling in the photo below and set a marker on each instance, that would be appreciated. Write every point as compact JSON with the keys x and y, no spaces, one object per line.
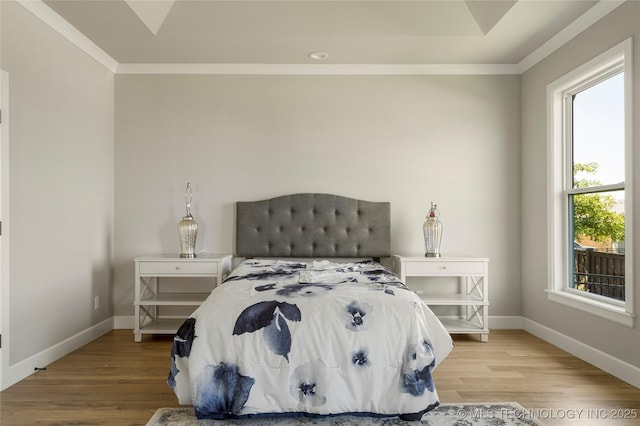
{"x":351,"y":32}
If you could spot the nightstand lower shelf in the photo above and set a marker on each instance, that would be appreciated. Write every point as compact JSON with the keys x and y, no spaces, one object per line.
{"x":161,"y":326}
{"x":462,"y":326}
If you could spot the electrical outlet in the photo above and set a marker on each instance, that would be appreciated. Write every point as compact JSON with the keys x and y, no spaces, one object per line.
{"x":96,"y":303}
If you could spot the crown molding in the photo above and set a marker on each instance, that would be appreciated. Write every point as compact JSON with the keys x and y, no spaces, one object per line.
{"x":55,"y":21}
{"x":316,"y":69}
{"x":590,"y":17}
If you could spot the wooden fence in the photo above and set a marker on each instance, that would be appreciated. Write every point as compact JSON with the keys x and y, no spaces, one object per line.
{"x":599,"y":272}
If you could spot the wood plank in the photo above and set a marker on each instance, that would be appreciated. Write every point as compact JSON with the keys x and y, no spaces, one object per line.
{"x":551,"y":379}
{"x":115,"y":381}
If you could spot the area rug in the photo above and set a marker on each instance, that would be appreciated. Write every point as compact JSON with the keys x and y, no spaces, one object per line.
{"x":472,"y":414}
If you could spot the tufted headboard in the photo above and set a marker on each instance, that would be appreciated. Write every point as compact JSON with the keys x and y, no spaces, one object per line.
{"x":313,"y":225}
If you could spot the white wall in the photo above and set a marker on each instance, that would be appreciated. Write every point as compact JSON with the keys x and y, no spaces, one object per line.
{"x":61,"y":186}
{"x":610,"y":338}
{"x":404,"y":139}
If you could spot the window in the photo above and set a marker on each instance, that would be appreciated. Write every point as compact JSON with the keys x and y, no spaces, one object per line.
{"x":590,"y":205}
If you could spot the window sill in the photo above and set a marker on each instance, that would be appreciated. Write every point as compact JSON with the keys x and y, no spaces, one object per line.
{"x":601,"y":309}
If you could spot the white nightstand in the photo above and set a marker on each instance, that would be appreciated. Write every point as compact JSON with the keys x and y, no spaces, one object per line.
{"x":472,"y":297}
{"x":148,"y":296}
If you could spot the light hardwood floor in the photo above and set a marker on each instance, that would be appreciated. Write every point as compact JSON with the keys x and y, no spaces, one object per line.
{"x":115,"y":381}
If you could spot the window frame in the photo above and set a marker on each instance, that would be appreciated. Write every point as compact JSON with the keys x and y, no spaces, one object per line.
{"x":560,"y":184}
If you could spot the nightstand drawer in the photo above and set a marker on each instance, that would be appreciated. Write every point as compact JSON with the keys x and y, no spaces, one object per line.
{"x":444,"y":268}
{"x":182,"y":268}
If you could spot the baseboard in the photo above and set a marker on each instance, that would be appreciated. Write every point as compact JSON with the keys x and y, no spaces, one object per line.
{"x":497,"y":323}
{"x":616,"y":367}
{"x":505,"y":323}
{"x":25,"y":368}
{"x":123,"y":322}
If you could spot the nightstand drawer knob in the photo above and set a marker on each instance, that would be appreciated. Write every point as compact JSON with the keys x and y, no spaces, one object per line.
{"x":444,"y":267}
{"x":177,"y":268}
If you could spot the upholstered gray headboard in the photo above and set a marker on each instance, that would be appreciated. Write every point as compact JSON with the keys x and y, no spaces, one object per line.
{"x":313,"y":225}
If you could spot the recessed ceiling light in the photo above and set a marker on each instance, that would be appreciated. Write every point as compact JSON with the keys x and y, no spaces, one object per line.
{"x":318,"y":56}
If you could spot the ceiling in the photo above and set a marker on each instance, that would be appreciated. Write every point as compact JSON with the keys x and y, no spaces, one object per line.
{"x":350,"y":31}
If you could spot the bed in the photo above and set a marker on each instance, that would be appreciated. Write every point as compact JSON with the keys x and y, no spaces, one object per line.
{"x":309,"y":323}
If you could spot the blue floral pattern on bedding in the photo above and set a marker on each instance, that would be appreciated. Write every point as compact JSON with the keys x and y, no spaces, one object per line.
{"x":281,"y":338}
{"x":308,"y":384}
{"x":272,"y":316}
{"x":221,"y":389}
{"x":356,"y":315}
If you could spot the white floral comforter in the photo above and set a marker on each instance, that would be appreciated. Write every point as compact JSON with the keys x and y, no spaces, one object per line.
{"x":282,"y":338}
